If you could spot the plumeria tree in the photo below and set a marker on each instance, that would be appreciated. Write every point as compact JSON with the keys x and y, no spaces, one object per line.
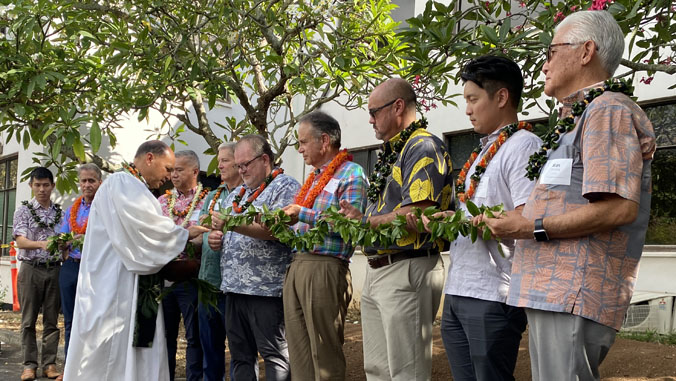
{"x":444,"y":37}
{"x":72,"y":71}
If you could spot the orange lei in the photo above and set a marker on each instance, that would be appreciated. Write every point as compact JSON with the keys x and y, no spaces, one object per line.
{"x":483,"y":163}
{"x":74,"y":227}
{"x":305,"y":199}
{"x":261,"y":188}
{"x":215,"y":199}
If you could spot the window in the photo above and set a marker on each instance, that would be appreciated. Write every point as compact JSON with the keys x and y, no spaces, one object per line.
{"x":8,"y":176}
{"x":366,"y":157}
{"x":662,"y":226}
{"x":460,"y":146}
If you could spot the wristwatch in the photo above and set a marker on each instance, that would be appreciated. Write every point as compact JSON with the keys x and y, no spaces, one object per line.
{"x":539,"y":233}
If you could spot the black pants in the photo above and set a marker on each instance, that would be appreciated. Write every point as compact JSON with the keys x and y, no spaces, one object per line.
{"x":481,"y":338}
{"x":256,"y":325}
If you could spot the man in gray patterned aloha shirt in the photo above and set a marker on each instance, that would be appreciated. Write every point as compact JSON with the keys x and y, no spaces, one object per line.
{"x":253,"y":265}
{"x":38,"y":282}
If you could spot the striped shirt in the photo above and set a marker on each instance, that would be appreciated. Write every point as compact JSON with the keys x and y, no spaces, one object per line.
{"x":349,"y":184}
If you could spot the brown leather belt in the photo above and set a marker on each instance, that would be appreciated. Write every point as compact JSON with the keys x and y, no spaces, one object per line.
{"x":379,"y":261}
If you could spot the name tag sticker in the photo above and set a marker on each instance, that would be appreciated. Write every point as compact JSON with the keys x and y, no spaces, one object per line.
{"x":557,"y":172}
{"x":217,"y":205}
{"x":195,"y":215}
{"x":482,"y":190}
{"x":331,"y":186}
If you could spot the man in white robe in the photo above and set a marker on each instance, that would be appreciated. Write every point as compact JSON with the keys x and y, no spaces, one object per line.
{"x":127,"y":236}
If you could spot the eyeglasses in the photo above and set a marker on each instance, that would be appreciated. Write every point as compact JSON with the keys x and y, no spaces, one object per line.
{"x":550,"y":52}
{"x":374,"y":111}
{"x":244,"y":167}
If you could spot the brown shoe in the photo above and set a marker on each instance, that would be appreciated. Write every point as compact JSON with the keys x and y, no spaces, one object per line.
{"x":28,"y":375}
{"x":51,"y":372}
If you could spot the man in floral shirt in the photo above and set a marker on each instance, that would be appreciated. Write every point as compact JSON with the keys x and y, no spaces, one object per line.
{"x":253,"y":265}
{"x":38,"y":282}
{"x":183,"y":205}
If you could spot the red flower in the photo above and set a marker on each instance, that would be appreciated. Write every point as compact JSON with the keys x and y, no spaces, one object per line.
{"x":646,"y":80}
{"x":559,"y":16}
{"x":573,"y":8}
{"x":599,"y":5}
{"x":509,"y":14}
{"x":522,"y":4}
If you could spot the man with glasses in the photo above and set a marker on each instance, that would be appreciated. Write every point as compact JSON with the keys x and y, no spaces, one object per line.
{"x":583,"y":227}
{"x":253,"y":265}
{"x":403,"y":283}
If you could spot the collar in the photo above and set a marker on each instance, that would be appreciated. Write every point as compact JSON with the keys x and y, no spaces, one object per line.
{"x":567,"y":102}
{"x":490,"y":138}
{"x":390,"y":143}
{"x":36,"y":205}
{"x":323,"y":167}
{"x":84,"y":203}
{"x":266,"y":176}
{"x":190,"y":193}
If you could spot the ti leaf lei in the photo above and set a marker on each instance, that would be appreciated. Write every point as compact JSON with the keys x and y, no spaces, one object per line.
{"x":551,"y":140}
{"x":387,"y":157}
{"x":39,"y":221}
{"x":357,"y":233}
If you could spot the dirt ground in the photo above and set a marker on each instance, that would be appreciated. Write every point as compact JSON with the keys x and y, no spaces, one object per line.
{"x":628,"y":360}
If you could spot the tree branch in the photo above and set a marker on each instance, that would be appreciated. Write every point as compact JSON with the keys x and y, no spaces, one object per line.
{"x":637,"y":66}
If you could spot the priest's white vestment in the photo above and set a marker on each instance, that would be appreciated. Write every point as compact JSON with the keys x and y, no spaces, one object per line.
{"x":127,"y":236}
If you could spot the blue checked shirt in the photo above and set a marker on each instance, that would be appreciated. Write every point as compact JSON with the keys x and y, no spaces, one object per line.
{"x":349,"y":184}
{"x":82,"y":216}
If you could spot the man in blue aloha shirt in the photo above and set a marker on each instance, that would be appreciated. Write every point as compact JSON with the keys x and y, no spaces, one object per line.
{"x":253,"y":265}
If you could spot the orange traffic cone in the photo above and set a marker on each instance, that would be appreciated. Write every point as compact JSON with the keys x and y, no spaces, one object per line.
{"x":14,"y":272}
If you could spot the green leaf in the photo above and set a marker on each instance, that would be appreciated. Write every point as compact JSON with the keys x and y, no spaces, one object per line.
{"x":78,"y":149}
{"x":95,"y":136}
{"x":473,"y":209}
{"x":486,"y":236}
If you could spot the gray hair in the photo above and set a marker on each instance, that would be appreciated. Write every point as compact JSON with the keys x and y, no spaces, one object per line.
{"x":600,"y":27}
{"x":323,"y":123}
{"x":227,"y":145}
{"x":191,"y":156}
{"x":90,"y":167}
{"x":259,"y":145}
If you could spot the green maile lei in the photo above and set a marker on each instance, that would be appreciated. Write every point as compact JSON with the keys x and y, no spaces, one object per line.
{"x":357,"y":233}
{"x":38,"y":220}
{"x":387,"y":157}
{"x":551,"y":140}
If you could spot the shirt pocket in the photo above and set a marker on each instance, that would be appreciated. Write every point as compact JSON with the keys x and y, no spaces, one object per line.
{"x":569,"y":151}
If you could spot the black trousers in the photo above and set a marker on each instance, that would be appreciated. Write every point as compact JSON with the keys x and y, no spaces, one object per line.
{"x":481,"y":338}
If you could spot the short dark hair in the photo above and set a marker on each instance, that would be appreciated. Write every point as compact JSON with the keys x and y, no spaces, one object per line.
{"x":323,"y":123}
{"x":41,"y":173}
{"x":155,"y":147}
{"x":493,"y":73}
{"x":259,"y":145}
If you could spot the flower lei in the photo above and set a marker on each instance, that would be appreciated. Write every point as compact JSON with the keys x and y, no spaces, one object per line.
{"x":388,"y":157}
{"x":215,"y":199}
{"x":235,"y":203}
{"x":480,"y":168}
{"x":38,"y":220}
{"x":199,"y":195}
{"x":72,"y":221}
{"x":306,"y":197}
{"x":551,"y":140}
{"x":132,"y":170}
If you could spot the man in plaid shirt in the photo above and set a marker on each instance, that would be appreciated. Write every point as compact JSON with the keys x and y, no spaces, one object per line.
{"x":318,"y":288}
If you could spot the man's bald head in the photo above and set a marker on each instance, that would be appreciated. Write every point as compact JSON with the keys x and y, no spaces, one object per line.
{"x":395,"y":88}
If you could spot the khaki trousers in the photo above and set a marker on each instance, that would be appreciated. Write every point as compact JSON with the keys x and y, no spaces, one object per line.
{"x":38,"y":287}
{"x":317,"y":291}
{"x":398,"y":306}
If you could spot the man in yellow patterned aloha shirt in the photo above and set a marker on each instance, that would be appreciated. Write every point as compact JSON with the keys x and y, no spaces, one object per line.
{"x":403,"y":286}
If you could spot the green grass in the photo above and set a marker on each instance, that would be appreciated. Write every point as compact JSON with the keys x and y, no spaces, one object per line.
{"x":650,"y":337}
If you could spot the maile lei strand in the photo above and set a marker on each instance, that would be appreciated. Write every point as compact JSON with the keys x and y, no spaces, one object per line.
{"x":567,"y":124}
{"x":235,"y":203}
{"x":173,"y":196}
{"x":388,"y":157}
{"x":480,"y":168}
{"x":39,"y":221}
{"x":308,"y":194}
{"x":72,"y":220}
